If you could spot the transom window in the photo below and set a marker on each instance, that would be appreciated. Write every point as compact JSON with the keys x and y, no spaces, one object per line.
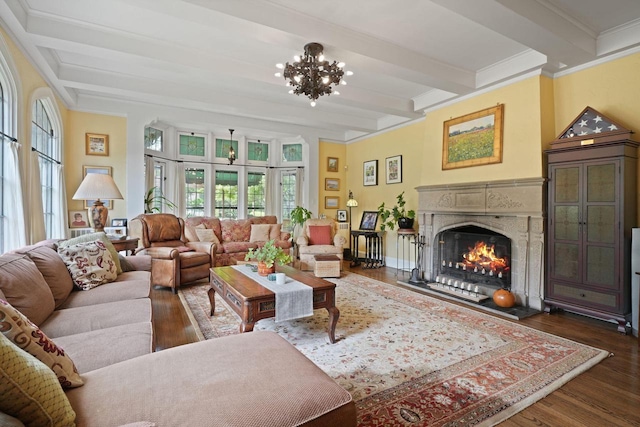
{"x":292,"y":152}
{"x":192,"y":145}
{"x":223,"y":146}
{"x":153,"y":139}
{"x":258,"y":151}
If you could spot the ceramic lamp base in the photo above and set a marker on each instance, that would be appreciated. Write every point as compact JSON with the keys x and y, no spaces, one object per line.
{"x":98,"y":214}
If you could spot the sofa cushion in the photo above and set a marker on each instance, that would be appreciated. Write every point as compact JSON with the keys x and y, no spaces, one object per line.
{"x":91,"y":237}
{"x":285,"y":388}
{"x":53,"y":269}
{"x":238,"y":247}
{"x":206,"y":235}
{"x":190,"y":233}
{"x":260,"y":232}
{"x":90,"y":264}
{"x":267,"y":219}
{"x":235,"y":230}
{"x":30,"y":390}
{"x":131,"y":285}
{"x":25,"y":288}
{"x":95,"y":349}
{"x":77,"y":320}
{"x":320,"y":235}
{"x":275,"y":231}
{"x":27,"y":336}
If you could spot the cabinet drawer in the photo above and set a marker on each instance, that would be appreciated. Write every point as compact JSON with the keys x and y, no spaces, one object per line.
{"x":585,"y":297}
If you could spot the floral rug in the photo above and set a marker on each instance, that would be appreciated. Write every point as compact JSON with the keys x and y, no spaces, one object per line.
{"x":412,"y":360}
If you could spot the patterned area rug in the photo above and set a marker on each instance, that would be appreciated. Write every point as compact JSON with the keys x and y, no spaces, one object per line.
{"x":412,"y":360}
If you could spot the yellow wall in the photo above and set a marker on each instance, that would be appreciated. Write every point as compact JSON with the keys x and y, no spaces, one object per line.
{"x":75,"y":158}
{"x":326,"y":150}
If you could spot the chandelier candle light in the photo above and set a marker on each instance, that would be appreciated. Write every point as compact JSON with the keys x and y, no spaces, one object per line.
{"x":312,"y":75}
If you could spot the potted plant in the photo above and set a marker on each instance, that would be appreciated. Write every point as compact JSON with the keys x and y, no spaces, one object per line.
{"x":153,"y":198}
{"x":396,"y":215}
{"x":298,"y":216}
{"x":267,"y":256}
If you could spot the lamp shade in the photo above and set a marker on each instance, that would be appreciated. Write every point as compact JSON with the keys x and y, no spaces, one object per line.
{"x":96,"y":186}
{"x":352,"y":203}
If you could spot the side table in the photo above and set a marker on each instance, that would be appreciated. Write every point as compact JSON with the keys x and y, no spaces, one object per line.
{"x":128,"y":245}
{"x":374,"y":248}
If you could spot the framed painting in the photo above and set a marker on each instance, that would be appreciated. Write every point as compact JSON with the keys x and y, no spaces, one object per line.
{"x":332,"y":164}
{"x":393,"y":169}
{"x":370,"y":172}
{"x":342,"y":215}
{"x":97,"y":144}
{"x":331,"y":184}
{"x":331,"y":202}
{"x":369,"y":220}
{"x":474,"y":139}
{"x":96,"y":169}
{"x":78,"y":219}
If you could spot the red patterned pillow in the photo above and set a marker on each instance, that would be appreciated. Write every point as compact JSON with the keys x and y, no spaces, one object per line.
{"x":24,"y":334}
{"x":320,"y":235}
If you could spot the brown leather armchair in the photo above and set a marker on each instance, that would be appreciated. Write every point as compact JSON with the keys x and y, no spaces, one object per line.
{"x":174,"y":261}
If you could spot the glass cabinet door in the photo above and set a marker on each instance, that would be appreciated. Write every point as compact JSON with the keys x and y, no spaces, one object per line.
{"x":566,"y":250}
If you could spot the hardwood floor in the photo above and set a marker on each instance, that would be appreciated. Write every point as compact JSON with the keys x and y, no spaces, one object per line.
{"x":606,"y":395}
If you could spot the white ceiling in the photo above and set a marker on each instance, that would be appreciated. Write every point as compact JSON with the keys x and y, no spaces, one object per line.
{"x":214,"y":60}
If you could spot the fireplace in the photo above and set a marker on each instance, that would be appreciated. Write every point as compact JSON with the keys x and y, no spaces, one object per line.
{"x":474,"y":255}
{"x":508,"y":216}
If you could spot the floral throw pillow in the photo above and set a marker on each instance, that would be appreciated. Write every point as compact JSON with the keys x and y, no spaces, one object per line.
{"x":90,"y":264}
{"x":27,"y":336}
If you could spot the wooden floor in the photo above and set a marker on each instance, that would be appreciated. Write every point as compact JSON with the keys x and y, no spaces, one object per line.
{"x":606,"y":395}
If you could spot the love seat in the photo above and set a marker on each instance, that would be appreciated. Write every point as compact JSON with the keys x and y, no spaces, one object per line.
{"x":251,"y":379}
{"x":234,"y":237}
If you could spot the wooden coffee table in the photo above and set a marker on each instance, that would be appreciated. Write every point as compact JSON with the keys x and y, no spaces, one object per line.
{"x":253,"y":302}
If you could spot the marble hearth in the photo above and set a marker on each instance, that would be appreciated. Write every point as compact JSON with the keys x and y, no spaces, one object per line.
{"x":514,"y":208}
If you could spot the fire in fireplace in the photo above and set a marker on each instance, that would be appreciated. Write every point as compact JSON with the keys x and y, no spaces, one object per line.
{"x":475,"y":255}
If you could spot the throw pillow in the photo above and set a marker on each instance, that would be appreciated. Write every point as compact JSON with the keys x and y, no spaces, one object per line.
{"x":52,"y":269}
{"x":91,"y":237}
{"x":31,"y":339}
{"x":190,"y":233}
{"x":207,"y":235}
{"x":320,"y":235}
{"x":259,"y":233}
{"x":275,"y":231}
{"x":90,"y":264}
{"x":30,"y":390}
{"x":25,"y":288}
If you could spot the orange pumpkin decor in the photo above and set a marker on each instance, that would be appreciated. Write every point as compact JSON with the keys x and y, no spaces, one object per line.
{"x":504,"y":298}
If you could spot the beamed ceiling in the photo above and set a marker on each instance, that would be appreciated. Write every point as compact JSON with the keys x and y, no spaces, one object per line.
{"x":208,"y":65}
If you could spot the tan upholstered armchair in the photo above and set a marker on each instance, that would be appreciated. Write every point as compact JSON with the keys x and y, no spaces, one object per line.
{"x":318,"y":237}
{"x":174,"y":261}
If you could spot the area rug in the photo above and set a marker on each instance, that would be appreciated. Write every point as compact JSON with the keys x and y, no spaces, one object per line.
{"x":412,"y":360}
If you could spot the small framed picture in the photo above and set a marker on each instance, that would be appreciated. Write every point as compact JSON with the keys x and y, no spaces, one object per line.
{"x":332,"y":164}
{"x":369,"y":220}
{"x":370,"y":172}
{"x":97,"y":144}
{"x":331,"y":184}
{"x":78,"y":219}
{"x":331,"y":202}
{"x":119,"y":222}
{"x":342,"y":215}
{"x":393,"y":169}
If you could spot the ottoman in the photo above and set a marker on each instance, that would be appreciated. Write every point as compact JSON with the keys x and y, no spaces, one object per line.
{"x":327,"y":266}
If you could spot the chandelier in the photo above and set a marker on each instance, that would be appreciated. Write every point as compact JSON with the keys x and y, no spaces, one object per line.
{"x":232,"y":153}
{"x":312,"y":75}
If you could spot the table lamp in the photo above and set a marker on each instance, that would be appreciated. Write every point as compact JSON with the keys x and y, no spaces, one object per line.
{"x":96,"y":186}
{"x":351,"y":203}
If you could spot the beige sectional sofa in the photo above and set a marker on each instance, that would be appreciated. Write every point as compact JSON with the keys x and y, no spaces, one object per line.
{"x":234,"y":237}
{"x":252,"y":379}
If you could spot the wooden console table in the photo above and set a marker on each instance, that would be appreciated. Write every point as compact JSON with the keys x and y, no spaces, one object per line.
{"x":374,"y":248}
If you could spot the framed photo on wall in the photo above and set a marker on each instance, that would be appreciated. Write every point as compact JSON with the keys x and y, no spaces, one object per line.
{"x":369,"y":220}
{"x":342,"y":215}
{"x":393,"y":169}
{"x":331,"y":184}
{"x":96,"y":169}
{"x":474,"y":139}
{"x":97,"y":144}
{"x":370,"y":172}
{"x":331,"y":202}
{"x":332,"y":164}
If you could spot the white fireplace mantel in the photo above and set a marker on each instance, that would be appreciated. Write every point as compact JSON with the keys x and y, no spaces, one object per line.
{"x":514,"y":208}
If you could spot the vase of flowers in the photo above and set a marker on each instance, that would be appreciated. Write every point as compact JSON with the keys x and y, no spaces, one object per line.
{"x":267,"y":257}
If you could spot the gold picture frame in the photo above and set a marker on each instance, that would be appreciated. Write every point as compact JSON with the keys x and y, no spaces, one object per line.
{"x":332,"y":164}
{"x":331,"y":202}
{"x":96,"y":144}
{"x":474,"y":139}
{"x":332,"y":184}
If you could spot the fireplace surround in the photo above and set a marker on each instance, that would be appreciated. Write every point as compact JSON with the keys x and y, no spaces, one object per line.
{"x":510,"y":208}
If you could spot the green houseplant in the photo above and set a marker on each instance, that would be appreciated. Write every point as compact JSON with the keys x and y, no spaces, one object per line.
{"x":267,"y":256}
{"x":298,"y":216}
{"x":153,"y":198}
{"x":396,"y":215}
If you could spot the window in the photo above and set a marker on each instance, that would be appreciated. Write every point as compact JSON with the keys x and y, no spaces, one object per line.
{"x":256,"y":193}
{"x":292,"y":152}
{"x":226,"y":194}
{"x":158,"y":186}
{"x":43,"y":140}
{"x":258,"y":151}
{"x":153,"y":139}
{"x":194,"y":191}
{"x":3,"y":128}
{"x":192,"y":145}
{"x":288,"y":186}
{"x":223,"y":146}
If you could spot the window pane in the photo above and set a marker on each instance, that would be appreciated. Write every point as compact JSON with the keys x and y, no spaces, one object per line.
{"x":194,"y":192}
{"x":192,"y":145}
{"x":42,"y":139}
{"x":292,"y":152}
{"x":288,"y":197}
{"x":153,"y":139}
{"x":256,"y":195}
{"x":258,"y":151}
{"x":222,"y":147}
{"x":3,"y":128}
{"x":226,"y":194}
